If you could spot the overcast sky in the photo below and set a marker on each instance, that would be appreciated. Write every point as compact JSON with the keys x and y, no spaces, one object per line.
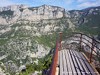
{"x":67,"y":4}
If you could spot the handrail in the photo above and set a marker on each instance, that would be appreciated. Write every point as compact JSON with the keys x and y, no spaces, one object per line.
{"x":93,"y":42}
{"x":86,"y":35}
{"x":55,"y":56}
{"x":54,"y":61}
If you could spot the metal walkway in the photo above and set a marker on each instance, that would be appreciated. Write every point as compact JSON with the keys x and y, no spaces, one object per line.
{"x":72,"y":62}
{"x":69,"y":61}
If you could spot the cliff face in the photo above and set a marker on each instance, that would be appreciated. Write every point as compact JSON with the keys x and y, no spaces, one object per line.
{"x":38,"y":20}
{"x":15,"y":13}
{"x":12,"y":14}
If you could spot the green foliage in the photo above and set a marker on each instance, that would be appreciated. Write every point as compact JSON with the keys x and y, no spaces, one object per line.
{"x":93,"y":20}
{"x":7,"y":34}
{"x":31,"y":8}
{"x":98,"y":56}
{"x":3,"y":41}
{"x":88,"y":30}
{"x":15,"y":25}
{"x":28,"y":71}
{"x":50,"y":40}
{"x":43,"y":63}
{"x":2,"y":66}
{"x":47,"y":40}
{"x":66,"y":32}
{"x":8,"y":12}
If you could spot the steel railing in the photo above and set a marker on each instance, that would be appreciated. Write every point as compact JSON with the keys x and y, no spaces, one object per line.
{"x":55,"y":56}
{"x":84,"y":41}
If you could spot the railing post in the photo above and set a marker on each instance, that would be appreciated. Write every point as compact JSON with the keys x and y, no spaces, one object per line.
{"x":81,"y":42}
{"x":92,"y":48}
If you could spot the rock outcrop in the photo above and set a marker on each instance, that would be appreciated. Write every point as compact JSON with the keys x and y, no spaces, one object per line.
{"x":12,"y":14}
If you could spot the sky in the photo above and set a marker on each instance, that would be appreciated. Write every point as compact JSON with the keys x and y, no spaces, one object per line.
{"x":67,"y":4}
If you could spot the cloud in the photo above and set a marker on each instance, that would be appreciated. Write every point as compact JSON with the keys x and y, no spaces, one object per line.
{"x":69,"y":1}
{"x":6,"y":3}
{"x":81,"y":1}
{"x":68,"y":4}
{"x":89,"y":4}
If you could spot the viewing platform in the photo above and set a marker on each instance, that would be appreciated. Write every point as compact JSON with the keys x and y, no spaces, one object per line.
{"x":72,"y":62}
{"x":78,"y":55}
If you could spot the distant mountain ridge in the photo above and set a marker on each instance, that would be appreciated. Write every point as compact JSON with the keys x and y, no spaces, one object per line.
{"x":87,"y":19}
{"x":22,"y":14}
{"x":85,"y":14}
{"x":14,"y":13}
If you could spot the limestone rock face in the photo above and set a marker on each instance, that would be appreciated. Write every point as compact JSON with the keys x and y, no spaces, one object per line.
{"x":11,"y":14}
{"x":12,"y":7}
